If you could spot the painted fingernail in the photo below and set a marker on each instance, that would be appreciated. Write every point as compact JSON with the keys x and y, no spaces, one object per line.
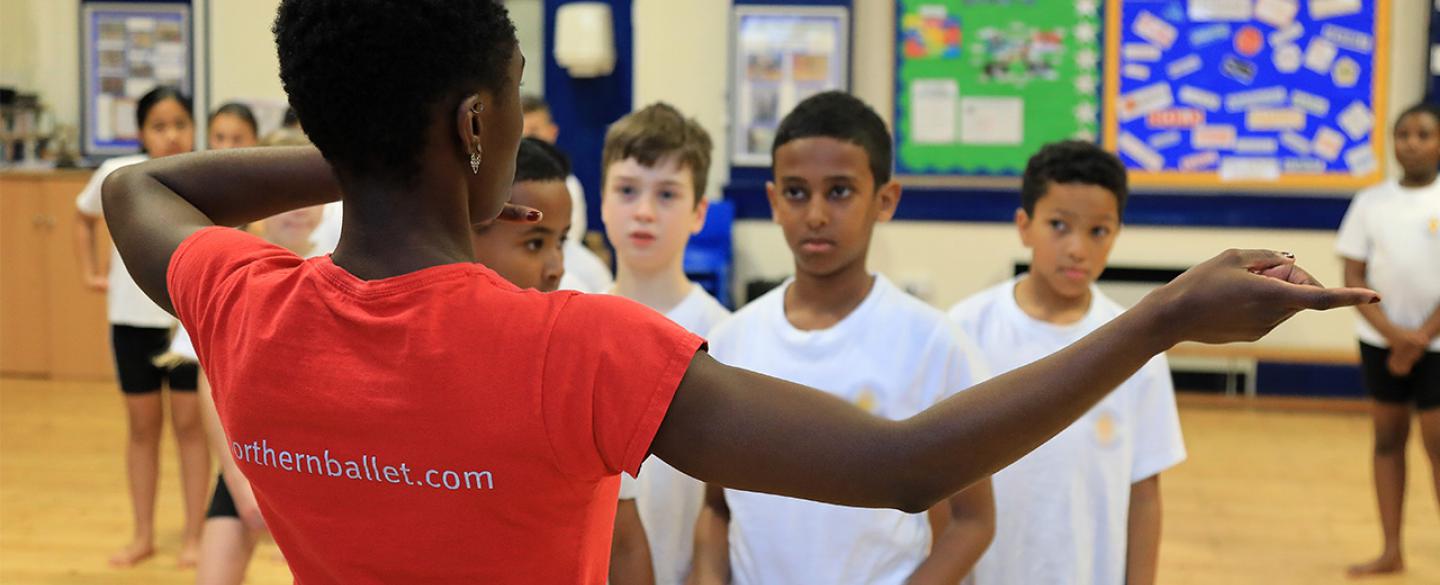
{"x":1374,"y":300}
{"x":532,"y":215}
{"x":1289,"y":255}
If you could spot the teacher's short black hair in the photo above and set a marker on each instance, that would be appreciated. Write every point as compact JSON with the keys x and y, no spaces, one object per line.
{"x":365,"y":75}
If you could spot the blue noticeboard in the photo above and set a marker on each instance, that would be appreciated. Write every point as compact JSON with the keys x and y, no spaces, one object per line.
{"x":1262,"y":93}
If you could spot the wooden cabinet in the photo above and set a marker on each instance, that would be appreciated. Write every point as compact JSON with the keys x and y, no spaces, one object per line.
{"x":24,"y":331}
{"x":51,"y":326}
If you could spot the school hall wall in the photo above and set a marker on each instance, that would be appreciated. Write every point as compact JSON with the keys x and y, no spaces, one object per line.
{"x":681,"y":56}
{"x":40,"y":49}
{"x":684,"y":60}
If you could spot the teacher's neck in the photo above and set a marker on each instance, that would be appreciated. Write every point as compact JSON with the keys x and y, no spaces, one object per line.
{"x":392,"y":228}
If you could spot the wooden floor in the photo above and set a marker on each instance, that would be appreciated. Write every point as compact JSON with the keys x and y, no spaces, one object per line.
{"x":1268,"y":496}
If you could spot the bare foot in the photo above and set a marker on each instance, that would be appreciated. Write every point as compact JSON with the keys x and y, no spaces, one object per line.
{"x":1385,"y":565}
{"x":132,"y":554}
{"x":189,"y":555}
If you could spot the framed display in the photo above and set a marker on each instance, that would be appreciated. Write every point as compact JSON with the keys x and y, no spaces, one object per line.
{"x":782,"y":55}
{"x":128,"y":48}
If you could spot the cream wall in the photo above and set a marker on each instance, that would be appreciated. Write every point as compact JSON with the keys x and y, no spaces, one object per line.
{"x":40,"y":52}
{"x":242,"y":62}
{"x":952,"y":260}
{"x":682,"y":50}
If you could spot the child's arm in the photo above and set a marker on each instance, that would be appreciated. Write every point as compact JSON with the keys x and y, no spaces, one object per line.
{"x":956,"y":548}
{"x":1431,"y":328}
{"x":92,"y":273}
{"x":752,"y":432}
{"x":1143,"y":535}
{"x":1406,"y":347}
{"x":711,"y":564}
{"x":630,"y":551}
{"x":230,"y":473}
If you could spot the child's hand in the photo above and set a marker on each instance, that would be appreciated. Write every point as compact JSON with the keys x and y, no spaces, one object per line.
{"x":97,"y":283}
{"x":1241,"y":295}
{"x":1406,"y":349}
{"x":1400,"y":364}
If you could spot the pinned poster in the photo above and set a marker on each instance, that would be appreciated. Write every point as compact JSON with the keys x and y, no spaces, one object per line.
{"x":1247,"y":92}
{"x":935,"y":103}
{"x":981,"y":86}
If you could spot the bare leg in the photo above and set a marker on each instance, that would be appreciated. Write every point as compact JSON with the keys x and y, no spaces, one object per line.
{"x":225,"y":552}
{"x":142,"y":467}
{"x":1430,"y":432}
{"x":1392,"y":430}
{"x":195,"y":472}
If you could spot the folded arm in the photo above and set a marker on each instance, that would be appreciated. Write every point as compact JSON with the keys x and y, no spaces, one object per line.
{"x":153,"y":206}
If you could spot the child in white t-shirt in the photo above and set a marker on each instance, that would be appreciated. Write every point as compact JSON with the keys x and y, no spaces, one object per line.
{"x":654,"y":165}
{"x":1390,"y":241}
{"x":1084,"y":508}
{"x":839,"y":328}
{"x":139,"y":333}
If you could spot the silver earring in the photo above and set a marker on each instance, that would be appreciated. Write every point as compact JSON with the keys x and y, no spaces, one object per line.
{"x":475,"y":156}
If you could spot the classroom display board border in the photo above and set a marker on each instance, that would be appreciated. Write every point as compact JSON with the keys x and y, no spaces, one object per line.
{"x":1157,"y":171}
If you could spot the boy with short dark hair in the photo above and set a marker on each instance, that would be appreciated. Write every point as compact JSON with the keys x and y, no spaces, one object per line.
{"x":838,"y":327}
{"x":584,"y":270}
{"x":531,"y":255}
{"x":654,"y":165}
{"x":1084,"y":508}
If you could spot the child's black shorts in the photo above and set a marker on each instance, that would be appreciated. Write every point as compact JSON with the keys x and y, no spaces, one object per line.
{"x":1421,"y":387}
{"x":135,"y":351}
{"x":222,"y":505}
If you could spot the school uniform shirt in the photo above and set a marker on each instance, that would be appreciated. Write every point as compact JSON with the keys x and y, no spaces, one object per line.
{"x":327,"y":233}
{"x":893,"y":356}
{"x":1395,"y":231}
{"x":1061,"y":512}
{"x":455,"y":429}
{"x":125,"y":303}
{"x":584,"y":271}
{"x":669,"y":501}
{"x":579,"y":218}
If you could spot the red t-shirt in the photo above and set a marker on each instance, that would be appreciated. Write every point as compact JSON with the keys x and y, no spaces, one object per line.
{"x":437,"y":427}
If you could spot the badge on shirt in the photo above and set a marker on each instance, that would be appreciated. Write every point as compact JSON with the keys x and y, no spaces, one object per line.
{"x":866,"y":400}
{"x":1106,"y":428}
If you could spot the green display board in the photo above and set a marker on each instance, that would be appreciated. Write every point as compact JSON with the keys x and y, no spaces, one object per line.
{"x":982,"y":84}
